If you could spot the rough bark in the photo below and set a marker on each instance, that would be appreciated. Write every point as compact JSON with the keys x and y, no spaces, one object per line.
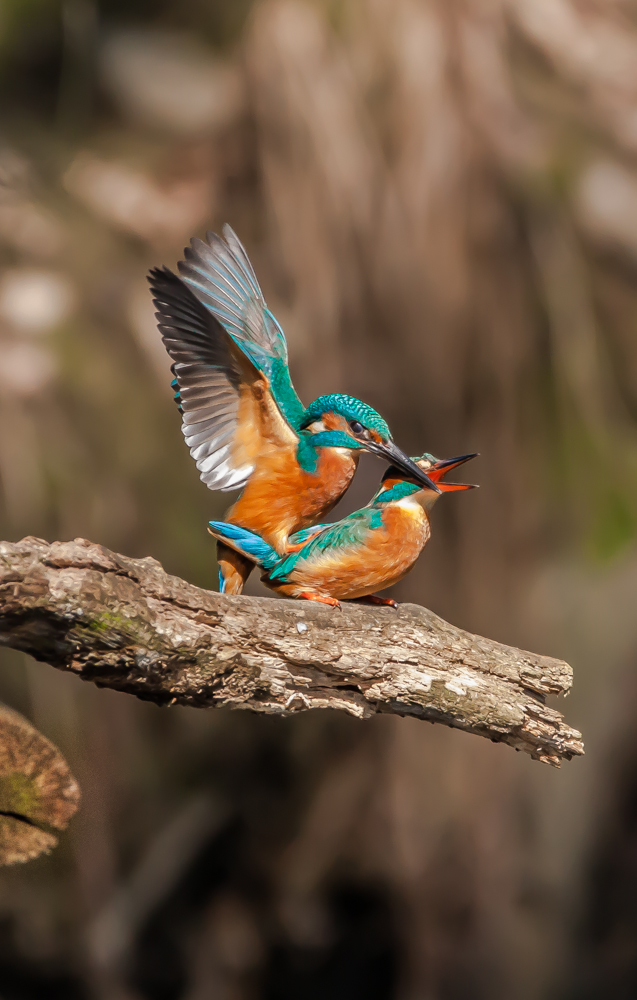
{"x":126,"y":624}
{"x":38,"y":793}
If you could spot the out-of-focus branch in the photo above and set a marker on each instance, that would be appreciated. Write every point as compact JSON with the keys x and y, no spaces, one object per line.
{"x":38,"y":793}
{"x":126,"y":624}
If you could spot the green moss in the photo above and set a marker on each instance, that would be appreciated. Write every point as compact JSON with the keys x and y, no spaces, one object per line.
{"x":109,"y":620}
{"x":117,"y":628}
{"x":19,"y":794}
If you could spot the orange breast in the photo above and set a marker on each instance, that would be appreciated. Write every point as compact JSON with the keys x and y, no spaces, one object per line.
{"x":384,"y":560}
{"x":280,"y":497}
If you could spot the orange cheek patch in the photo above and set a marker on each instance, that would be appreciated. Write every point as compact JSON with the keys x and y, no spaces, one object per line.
{"x":334,"y":422}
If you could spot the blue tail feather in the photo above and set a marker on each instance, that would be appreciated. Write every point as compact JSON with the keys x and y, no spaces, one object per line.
{"x":246,"y":542}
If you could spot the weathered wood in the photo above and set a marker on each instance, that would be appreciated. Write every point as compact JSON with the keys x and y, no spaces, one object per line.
{"x":126,"y":624}
{"x":38,"y":793}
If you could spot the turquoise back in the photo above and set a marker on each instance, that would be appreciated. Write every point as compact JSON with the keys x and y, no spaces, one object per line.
{"x":353,"y":531}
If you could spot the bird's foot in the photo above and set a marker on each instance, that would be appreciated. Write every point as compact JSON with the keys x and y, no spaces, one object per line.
{"x":385,"y":602}
{"x":309,"y":596}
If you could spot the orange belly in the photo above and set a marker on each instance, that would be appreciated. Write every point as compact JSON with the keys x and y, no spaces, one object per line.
{"x":384,"y":560}
{"x":281,"y":498}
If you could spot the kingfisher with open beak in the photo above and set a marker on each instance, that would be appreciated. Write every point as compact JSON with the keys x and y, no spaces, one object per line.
{"x":243,"y":422}
{"x":369,"y":550}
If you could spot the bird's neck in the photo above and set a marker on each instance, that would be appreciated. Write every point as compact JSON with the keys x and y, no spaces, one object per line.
{"x":312,"y":446}
{"x":285,"y":393}
{"x":395,"y":489}
{"x":406,"y":494}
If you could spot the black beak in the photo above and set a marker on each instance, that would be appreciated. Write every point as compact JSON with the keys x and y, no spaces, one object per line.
{"x":397,"y":458}
{"x":450,"y":463}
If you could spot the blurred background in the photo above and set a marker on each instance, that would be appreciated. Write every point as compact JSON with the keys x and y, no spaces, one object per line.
{"x":440,"y":200}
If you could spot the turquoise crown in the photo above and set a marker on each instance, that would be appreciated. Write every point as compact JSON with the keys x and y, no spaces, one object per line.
{"x":348,"y":407}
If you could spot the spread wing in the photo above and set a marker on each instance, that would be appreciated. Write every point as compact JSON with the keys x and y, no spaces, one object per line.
{"x":220,"y":275}
{"x":228,"y":414}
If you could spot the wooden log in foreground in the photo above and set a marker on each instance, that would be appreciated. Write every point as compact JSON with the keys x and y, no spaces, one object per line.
{"x":38,"y":793}
{"x":126,"y":624}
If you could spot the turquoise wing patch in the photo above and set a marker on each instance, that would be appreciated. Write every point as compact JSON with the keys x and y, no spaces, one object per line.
{"x":301,"y":536}
{"x":350,"y":533}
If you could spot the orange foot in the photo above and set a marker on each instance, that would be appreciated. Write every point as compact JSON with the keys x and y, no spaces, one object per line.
{"x":309,"y":596}
{"x":386,"y":602}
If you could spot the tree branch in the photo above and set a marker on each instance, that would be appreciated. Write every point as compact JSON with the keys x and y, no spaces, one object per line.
{"x":126,"y":624}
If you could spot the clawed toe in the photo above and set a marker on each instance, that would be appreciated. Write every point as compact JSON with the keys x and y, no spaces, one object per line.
{"x":386,"y":602}
{"x":331,"y":601}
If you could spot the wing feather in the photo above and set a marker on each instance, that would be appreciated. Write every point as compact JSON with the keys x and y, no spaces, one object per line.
{"x":228,"y":413}
{"x":221,"y":277}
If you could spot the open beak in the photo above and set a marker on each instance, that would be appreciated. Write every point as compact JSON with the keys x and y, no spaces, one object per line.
{"x":397,"y":458}
{"x":441,"y":467}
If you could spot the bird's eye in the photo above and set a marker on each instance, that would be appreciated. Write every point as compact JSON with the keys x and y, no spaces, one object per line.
{"x":356,"y":426}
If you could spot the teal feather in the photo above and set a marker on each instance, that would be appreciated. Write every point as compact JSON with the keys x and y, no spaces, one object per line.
{"x":397,"y":492}
{"x":174,"y":385}
{"x":307,"y":448}
{"x":301,"y":536}
{"x":352,"y":532}
{"x":220,"y":275}
{"x":285,"y":394}
{"x":336,"y":439}
{"x":307,"y":452}
{"x":348,"y":407}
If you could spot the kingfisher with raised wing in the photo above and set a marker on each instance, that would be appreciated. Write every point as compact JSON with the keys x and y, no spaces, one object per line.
{"x":243,"y":422}
{"x":369,"y":550}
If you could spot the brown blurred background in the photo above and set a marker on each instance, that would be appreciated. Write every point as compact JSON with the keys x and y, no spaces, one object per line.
{"x":440,"y":200}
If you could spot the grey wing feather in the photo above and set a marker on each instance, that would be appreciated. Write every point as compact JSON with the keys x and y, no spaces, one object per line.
{"x":207,"y":376}
{"x":221,"y":276}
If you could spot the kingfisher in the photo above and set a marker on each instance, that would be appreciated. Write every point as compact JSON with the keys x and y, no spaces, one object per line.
{"x":369,"y":550}
{"x":242,"y":419}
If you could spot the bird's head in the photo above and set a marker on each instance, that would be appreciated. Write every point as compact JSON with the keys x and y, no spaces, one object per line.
{"x":435,"y":469}
{"x":340,"y":421}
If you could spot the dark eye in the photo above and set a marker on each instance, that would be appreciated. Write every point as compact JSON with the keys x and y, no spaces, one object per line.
{"x":356,"y":426}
